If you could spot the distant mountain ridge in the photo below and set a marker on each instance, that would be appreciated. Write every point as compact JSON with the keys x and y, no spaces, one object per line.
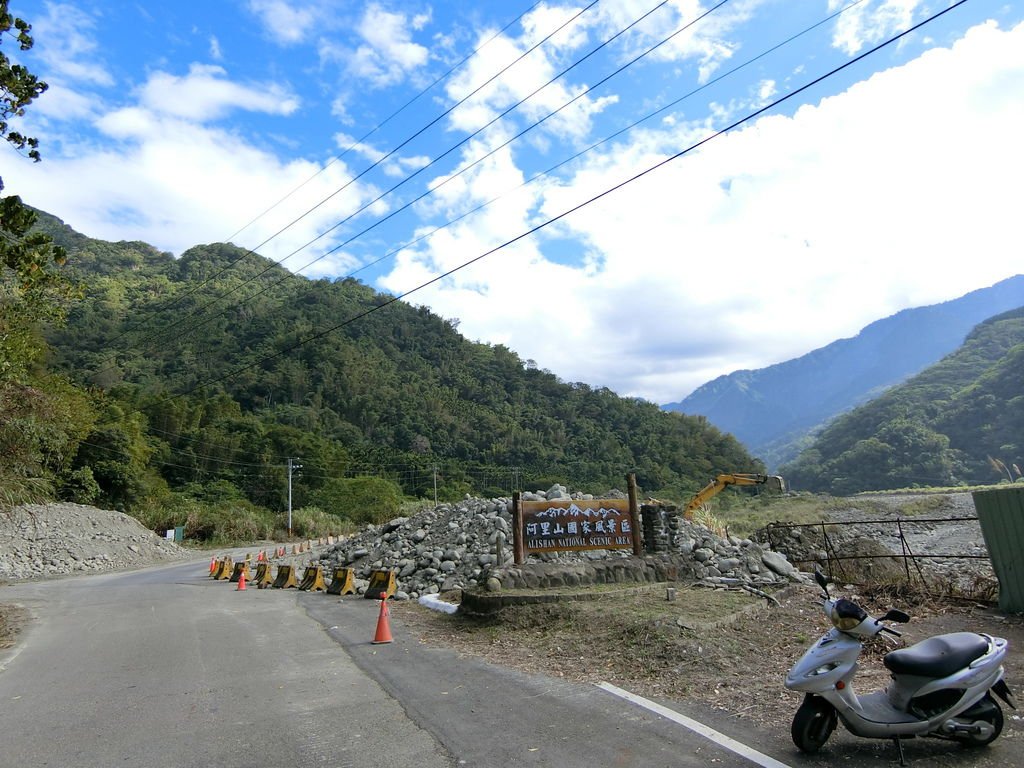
{"x":772,"y":410}
{"x":959,"y":421}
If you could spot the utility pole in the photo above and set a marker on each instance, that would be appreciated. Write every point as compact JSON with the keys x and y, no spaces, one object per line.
{"x":435,"y":486}
{"x":291,"y":467}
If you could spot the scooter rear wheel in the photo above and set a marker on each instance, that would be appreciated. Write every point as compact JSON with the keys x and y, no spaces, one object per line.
{"x":988,"y":711}
{"x":813,"y":723}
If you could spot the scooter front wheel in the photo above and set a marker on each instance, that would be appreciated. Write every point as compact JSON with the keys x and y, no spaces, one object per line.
{"x":813,"y":723}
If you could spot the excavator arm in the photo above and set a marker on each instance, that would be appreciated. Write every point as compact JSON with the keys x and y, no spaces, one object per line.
{"x":720,"y":483}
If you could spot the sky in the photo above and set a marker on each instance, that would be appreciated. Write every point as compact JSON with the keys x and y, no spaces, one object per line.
{"x":574,"y":153}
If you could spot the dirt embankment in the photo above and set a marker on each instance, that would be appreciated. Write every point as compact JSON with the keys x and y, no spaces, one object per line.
{"x":46,"y":540}
{"x":39,"y":541}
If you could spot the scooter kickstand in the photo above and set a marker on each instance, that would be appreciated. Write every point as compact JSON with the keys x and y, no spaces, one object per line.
{"x":899,"y":749}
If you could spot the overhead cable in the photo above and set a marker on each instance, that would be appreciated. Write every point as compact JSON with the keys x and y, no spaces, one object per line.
{"x":533,"y":230}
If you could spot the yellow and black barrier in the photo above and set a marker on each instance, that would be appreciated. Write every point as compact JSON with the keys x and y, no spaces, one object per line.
{"x":263,"y":579}
{"x":382,"y":585}
{"x":285,"y":578}
{"x":239,"y":569}
{"x":224,"y":569}
{"x":313,"y":580}
{"x":343,"y":582}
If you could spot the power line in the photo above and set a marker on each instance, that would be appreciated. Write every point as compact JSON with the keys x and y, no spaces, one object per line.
{"x":474,"y":163}
{"x":335,"y":159}
{"x":420,"y":170}
{"x":551,"y":169}
{"x":358,"y":142}
{"x":252,"y":251}
{"x":533,"y":230}
{"x":458,"y":173}
{"x":603,"y":141}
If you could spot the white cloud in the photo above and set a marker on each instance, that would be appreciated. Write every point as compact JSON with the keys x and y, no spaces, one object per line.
{"x":215,"y":51}
{"x":766,"y":91}
{"x":63,"y":103}
{"x":689,"y":34}
{"x":706,"y":42}
{"x":870,"y":22}
{"x":526,"y":79}
{"x":767,"y":243}
{"x":206,"y":94}
{"x":285,"y":22}
{"x":180,"y":185}
{"x":65,"y":42}
{"x":388,"y":53}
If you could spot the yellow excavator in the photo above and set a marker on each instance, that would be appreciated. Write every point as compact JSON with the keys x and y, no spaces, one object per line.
{"x":720,"y":483}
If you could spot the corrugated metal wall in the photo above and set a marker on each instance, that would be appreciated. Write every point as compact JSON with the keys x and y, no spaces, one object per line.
{"x":1001,"y":515}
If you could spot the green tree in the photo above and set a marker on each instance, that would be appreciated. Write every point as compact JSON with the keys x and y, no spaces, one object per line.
{"x":20,"y":87}
{"x":30,"y":288}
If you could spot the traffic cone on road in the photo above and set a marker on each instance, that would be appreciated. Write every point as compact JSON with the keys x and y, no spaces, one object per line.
{"x":383,"y":628}
{"x":241,"y":581}
{"x":213,"y":565}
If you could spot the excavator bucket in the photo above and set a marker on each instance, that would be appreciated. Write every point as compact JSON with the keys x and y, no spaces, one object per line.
{"x":776,"y":483}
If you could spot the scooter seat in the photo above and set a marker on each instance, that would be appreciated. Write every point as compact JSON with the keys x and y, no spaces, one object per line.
{"x":937,"y":656}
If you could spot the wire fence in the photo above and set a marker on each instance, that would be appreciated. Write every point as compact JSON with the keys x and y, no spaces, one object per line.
{"x":834,"y":561}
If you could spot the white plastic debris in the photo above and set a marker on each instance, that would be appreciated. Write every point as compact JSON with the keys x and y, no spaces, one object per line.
{"x":436,"y":604}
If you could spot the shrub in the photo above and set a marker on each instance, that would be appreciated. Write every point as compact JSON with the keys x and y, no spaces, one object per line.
{"x":313,"y":522}
{"x":360,"y":500}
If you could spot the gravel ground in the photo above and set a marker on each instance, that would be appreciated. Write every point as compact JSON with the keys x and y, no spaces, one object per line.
{"x":47,"y":540}
{"x":931,"y":525}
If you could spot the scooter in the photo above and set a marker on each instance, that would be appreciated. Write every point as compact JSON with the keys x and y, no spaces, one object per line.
{"x":941,"y":687}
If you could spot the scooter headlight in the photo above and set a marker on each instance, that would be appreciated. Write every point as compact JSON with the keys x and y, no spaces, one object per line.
{"x":846,"y":615}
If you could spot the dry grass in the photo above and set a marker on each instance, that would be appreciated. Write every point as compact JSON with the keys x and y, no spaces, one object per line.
{"x":12,"y":619}
{"x":728,"y":650}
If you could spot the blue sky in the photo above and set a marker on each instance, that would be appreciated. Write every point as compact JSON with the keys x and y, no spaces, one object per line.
{"x":332,"y":135}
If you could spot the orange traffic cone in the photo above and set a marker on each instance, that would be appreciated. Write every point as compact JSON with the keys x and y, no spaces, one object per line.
{"x":241,"y":581}
{"x":383,"y":628}
{"x":213,"y":565}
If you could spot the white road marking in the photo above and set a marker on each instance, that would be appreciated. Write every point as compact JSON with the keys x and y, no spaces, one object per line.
{"x":721,"y":739}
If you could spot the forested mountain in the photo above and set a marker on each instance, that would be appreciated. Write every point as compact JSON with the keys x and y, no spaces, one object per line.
{"x":959,"y":421}
{"x":772,"y":410}
{"x":208,"y":371}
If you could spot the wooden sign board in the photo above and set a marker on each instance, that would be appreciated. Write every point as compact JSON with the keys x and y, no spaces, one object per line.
{"x":573,"y":525}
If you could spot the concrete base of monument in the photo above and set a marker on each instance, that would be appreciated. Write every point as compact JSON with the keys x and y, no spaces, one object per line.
{"x":480,"y":603}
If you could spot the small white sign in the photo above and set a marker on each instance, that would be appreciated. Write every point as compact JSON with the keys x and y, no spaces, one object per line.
{"x":170,"y":534}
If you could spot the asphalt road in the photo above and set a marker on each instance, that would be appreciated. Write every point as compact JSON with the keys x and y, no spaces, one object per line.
{"x":166,"y":667}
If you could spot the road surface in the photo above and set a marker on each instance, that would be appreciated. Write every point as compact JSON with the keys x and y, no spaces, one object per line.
{"x":167,"y":667}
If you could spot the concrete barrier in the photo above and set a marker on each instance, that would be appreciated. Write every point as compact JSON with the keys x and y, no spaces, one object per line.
{"x":343,"y":582}
{"x":263,"y":579}
{"x":224,"y":569}
{"x":313,"y":580}
{"x":285,"y":578}
{"x":239,"y":569}
{"x":382,"y":585}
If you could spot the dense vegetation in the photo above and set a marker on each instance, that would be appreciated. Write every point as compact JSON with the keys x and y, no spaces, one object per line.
{"x":205,"y":374}
{"x":41,"y":415}
{"x":959,"y":421}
